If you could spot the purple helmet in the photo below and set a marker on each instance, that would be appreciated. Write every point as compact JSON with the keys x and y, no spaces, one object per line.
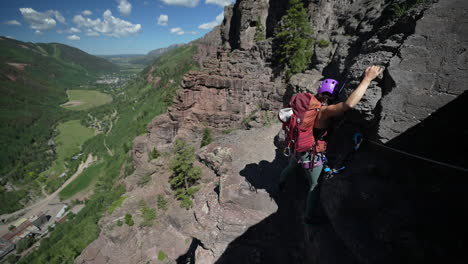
{"x":328,"y":86}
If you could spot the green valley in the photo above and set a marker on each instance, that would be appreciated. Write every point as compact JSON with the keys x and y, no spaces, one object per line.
{"x":133,"y":107}
{"x":60,"y":108}
{"x":34,"y":79}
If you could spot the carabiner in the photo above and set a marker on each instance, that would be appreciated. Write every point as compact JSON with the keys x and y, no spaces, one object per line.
{"x":357,"y":139}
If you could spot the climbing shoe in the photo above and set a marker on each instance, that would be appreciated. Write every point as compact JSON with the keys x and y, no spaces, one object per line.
{"x":281,"y":186}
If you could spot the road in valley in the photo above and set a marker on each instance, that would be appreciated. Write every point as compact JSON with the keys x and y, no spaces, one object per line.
{"x":46,"y":204}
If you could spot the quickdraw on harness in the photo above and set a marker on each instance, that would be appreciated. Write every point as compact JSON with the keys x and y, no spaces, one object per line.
{"x":357,"y":140}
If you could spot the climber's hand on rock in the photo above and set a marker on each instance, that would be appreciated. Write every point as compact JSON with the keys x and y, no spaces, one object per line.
{"x":372,"y":72}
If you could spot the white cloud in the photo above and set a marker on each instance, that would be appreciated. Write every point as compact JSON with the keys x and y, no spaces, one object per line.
{"x":81,"y":21}
{"x":125,"y":8}
{"x":219,"y":2}
{"x":70,"y":30}
{"x":10,"y":37}
{"x":175,"y":30}
{"x":186,"y":3}
{"x":86,"y":13}
{"x":163,"y":19}
{"x":212,"y":24}
{"x":180,"y":31}
{"x":12,"y":22}
{"x":74,"y":30}
{"x":73,"y":37}
{"x":91,"y":33}
{"x":109,"y":25}
{"x":38,"y":20}
{"x":38,"y":32}
{"x":57,"y":16}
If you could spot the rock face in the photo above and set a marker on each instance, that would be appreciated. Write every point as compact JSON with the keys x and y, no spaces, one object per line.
{"x":386,"y":207}
{"x":230,"y":88}
{"x":434,"y":61}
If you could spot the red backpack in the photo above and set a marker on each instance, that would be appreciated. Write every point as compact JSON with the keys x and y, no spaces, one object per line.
{"x":299,"y":128}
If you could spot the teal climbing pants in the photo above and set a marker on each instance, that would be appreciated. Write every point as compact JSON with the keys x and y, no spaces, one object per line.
{"x":312,"y":176}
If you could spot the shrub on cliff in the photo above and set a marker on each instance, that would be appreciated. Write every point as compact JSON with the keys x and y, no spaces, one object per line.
{"x":162,"y":202}
{"x":185,"y":175}
{"x":259,"y":31}
{"x":129,"y":220}
{"x":148,"y":214}
{"x":293,"y":39}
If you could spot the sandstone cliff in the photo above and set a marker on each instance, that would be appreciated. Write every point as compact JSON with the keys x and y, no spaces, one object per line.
{"x":387,"y":207}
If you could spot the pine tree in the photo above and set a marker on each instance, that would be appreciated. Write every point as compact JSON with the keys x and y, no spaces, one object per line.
{"x":294,"y":39}
{"x":185,"y":175}
{"x":207,"y":137}
{"x":154,"y":154}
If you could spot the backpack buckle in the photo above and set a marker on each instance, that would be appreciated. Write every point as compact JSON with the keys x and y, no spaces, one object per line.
{"x":287,"y":151}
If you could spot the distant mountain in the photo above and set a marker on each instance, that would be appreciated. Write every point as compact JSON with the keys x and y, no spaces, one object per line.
{"x":154,"y":54}
{"x":158,"y":52}
{"x":126,"y":60}
{"x":33,"y":81}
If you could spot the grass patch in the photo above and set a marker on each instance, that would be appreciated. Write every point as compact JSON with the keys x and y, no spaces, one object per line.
{"x":162,"y":202}
{"x":86,"y":99}
{"x":228,"y":131}
{"x":161,"y":255}
{"x":81,"y":182}
{"x":131,"y":70}
{"x":323,"y":43}
{"x":116,"y":204}
{"x":69,"y":140}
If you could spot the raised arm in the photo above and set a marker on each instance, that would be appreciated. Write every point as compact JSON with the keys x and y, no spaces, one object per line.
{"x":338,"y":109}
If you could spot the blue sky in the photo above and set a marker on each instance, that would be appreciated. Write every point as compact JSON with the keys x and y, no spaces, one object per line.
{"x":110,"y":26}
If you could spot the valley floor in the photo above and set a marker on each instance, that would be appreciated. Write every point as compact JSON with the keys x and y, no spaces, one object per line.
{"x":47,"y":205}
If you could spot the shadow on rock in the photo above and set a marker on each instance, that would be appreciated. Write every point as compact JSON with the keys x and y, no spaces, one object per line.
{"x":384,"y":208}
{"x":282,"y":237}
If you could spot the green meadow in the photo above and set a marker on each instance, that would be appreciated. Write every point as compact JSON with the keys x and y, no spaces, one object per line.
{"x":81,"y":182}
{"x":86,"y":99}
{"x":68,"y":143}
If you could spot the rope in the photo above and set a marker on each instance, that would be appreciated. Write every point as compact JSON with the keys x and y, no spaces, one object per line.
{"x":417,"y":156}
